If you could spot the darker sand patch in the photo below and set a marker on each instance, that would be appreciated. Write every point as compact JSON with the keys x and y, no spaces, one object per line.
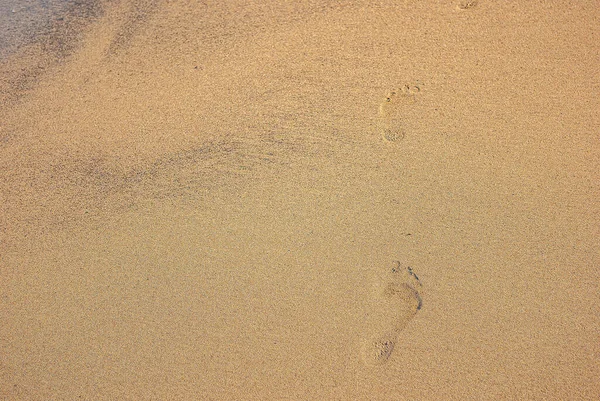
{"x":48,"y":44}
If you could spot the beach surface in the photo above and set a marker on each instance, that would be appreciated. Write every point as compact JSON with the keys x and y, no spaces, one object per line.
{"x":302,"y":200}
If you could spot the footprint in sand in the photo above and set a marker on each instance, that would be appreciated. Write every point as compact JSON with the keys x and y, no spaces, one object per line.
{"x":397,"y":301}
{"x":392,"y":109}
{"x":466,"y":4}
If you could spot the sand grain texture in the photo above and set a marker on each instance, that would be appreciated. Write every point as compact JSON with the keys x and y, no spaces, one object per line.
{"x":215,"y":200}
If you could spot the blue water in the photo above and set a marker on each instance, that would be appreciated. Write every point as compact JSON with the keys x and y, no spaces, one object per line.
{"x":20,"y":20}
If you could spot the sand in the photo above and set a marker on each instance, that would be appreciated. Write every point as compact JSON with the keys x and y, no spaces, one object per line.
{"x":267,"y":200}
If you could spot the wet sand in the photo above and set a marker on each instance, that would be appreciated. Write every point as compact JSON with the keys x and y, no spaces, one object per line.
{"x":302,"y":200}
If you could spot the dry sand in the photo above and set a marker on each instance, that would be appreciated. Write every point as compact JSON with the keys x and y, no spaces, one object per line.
{"x":302,"y":200}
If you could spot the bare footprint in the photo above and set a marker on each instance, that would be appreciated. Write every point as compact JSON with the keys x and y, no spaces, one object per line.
{"x":397,"y":301}
{"x":466,"y":4}
{"x":376,"y":350}
{"x":391,"y":111}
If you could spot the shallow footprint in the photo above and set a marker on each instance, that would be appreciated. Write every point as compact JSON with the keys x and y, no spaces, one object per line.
{"x":376,"y":350}
{"x":398,"y":301}
{"x":392,"y":109}
{"x":466,"y":4}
